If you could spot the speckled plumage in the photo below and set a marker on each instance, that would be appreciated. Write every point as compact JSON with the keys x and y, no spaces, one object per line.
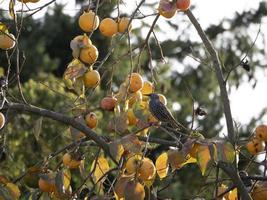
{"x":161,"y":112}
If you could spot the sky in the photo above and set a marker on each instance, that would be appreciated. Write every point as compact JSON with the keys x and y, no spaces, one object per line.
{"x":245,"y":101}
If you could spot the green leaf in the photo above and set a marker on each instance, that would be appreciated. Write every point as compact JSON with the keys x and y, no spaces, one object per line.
{"x":226,"y":151}
{"x":37,"y":128}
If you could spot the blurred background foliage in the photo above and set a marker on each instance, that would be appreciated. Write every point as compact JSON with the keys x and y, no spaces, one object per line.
{"x":45,"y":44}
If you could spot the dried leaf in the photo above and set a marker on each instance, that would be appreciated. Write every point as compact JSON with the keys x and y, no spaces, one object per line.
{"x":37,"y":128}
{"x":74,"y":70}
{"x":116,"y":150}
{"x":78,"y":87}
{"x":162,"y":165}
{"x":121,"y":124}
{"x":100,"y":168}
{"x":176,"y":159}
{"x":131,"y":143}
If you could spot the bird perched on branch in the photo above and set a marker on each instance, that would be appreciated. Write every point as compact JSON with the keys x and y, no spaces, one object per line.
{"x":161,"y":112}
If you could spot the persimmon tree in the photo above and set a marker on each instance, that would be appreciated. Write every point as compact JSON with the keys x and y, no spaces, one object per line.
{"x":111,"y":134}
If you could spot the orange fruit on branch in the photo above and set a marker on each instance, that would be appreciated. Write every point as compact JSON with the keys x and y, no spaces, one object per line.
{"x":91,"y":120}
{"x":108,"y":103}
{"x":147,"y":169}
{"x":108,"y":27}
{"x":91,"y":78}
{"x":71,"y":162}
{"x":89,"y":54}
{"x":88,"y":21}
{"x":134,"y":191}
{"x":47,"y":183}
{"x":133,"y":163}
{"x":255,"y":146}
{"x":135,"y":81}
{"x":260,"y":191}
{"x":147,"y":88}
{"x":261,"y":132}
{"x":123,"y":23}
{"x":2,"y":120}
{"x":7,"y":41}
{"x":183,"y":5}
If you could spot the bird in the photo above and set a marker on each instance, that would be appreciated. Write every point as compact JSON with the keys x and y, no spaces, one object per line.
{"x":161,"y":112}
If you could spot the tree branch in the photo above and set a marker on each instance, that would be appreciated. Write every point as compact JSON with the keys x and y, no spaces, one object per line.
{"x":63,"y":119}
{"x":218,"y":71}
{"x":230,"y":170}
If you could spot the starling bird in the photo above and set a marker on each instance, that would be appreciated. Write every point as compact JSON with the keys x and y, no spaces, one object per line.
{"x":161,"y":112}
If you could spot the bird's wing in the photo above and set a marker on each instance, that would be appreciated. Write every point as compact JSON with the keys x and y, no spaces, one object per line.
{"x":167,"y":115}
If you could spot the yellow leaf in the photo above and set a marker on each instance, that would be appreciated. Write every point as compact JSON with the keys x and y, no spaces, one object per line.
{"x":162,"y":165}
{"x":12,"y":9}
{"x":205,"y":155}
{"x":14,"y":190}
{"x":100,"y":167}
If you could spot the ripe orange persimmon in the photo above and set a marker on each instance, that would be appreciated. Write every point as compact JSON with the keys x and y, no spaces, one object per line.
{"x":7,"y":41}
{"x":183,"y":4}
{"x":91,"y":120}
{"x":133,"y":163}
{"x":232,"y":195}
{"x":91,"y":78}
{"x":255,"y":146}
{"x":2,"y":120}
{"x":108,"y":27}
{"x":123,"y":24}
{"x":70,"y":162}
{"x":136,"y":82}
{"x":221,"y":190}
{"x":260,"y":191}
{"x":167,"y":14}
{"x":261,"y":132}
{"x":135,"y":97}
{"x":119,"y":187}
{"x":88,"y":21}
{"x":134,"y":191}
{"x":147,"y":169}
{"x":147,"y":88}
{"x":108,"y":103}
{"x":89,"y":54}
{"x":47,"y":184}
